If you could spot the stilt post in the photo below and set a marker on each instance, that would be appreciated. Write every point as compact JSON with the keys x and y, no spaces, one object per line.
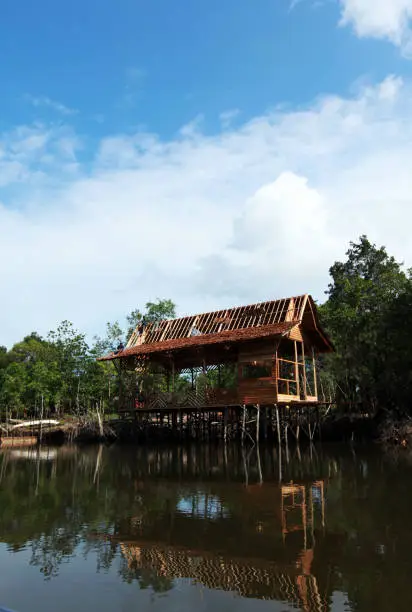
{"x":278,"y":426}
{"x":257,"y":423}
{"x":243,"y":424}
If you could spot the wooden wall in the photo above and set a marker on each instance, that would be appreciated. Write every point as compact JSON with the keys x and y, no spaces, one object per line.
{"x":257,"y":351}
{"x":257,"y":390}
{"x":265,"y":390}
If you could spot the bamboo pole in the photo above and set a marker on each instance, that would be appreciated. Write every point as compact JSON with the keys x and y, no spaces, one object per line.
{"x":243,"y":424}
{"x":245,"y":467}
{"x":304,"y":371}
{"x":280,"y":463}
{"x":323,"y":504}
{"x":298,"y":432}
{"x":286,"y":443}
{"x":315,"y":382}
{"x":257,"y":423}
{"x":278,"y":426}
{"x":41,"y":420}
{"x":259,"y":465}
{"x":297,"y":370}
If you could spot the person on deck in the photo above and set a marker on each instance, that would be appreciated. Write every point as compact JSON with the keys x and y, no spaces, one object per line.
{"x":120,"y":348}
{"x":139,"y":401}
{"x":142,"y":326}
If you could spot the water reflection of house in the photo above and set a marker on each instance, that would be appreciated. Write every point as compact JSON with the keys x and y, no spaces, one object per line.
{"x":302,"y":498}
{"x":205,"y":506}
{"x":249,"y":578}
{"x":289,"y":578}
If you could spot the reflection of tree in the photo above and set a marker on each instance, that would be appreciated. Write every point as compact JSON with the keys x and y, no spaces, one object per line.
{"x":76,"y":504}
{"x":59,"y":507}
{"x":146,"y":576}
{"x":49,"y":552}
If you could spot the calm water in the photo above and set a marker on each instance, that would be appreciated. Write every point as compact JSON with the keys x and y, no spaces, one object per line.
{"x":203,"y":529}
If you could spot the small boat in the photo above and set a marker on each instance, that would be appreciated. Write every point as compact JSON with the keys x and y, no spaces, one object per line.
{"x":17,"y":441}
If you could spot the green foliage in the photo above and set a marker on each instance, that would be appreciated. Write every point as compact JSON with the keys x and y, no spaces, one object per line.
{"x":225,"y":377}
{"x":13,"y":388}
{"x":159,"y":311}
{"x":59,"y":374}
{"x":114,"y":336}
{"x":365,"y":315}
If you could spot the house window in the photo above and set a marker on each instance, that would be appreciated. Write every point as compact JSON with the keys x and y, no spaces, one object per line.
{"x":286,"y":369}
{"x":257,"y":369}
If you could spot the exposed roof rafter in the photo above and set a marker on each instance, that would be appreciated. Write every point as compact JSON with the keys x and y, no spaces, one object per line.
{"x":242,"y":323}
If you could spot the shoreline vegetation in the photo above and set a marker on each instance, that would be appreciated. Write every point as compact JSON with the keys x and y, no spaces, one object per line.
{"x":349,"y":428}
{"x":368,"y":380}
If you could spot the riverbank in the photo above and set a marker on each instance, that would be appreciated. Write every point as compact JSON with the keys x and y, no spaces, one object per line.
{"x":129,"y":430}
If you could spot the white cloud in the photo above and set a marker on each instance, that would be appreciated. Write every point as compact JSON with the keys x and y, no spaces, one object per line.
{"x":37,"y":155}
{"x":255,"y":212}
{"x":386,"y":19}
{"x":227,"y":117}
{"x":44,"y":101}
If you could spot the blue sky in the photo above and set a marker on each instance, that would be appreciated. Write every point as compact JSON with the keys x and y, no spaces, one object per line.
{"x":133,"y":63}
{"x":157,"y":149}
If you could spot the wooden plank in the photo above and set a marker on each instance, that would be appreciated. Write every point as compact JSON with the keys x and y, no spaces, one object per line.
{"x":165,"y":331}
{"x":177,"y":327}
{"x":297,"y":369}
{"x":268,"y":312}
{"x":303,"y":306}
{"x":256,"y":383}
{"x":248,"y":357}
{"x":258,"y":398}
{"x":224,"y":316}
{"x":314,"y":373}
{"x":281,"y":359}
{"x":193,"y":326}
{"x":296,"y":334}
{"x":278,"y":310}
{"x":257,"y":351}
{"x":14,"y":441}
{"x":288,"y":398}
{"x":304,"y":371}
{"x":290,"y":311}
{"x":209,"y":322}
{"x":235,"y":317}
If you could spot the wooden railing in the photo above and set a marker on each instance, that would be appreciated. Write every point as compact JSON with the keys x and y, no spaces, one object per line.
{"x":288,"y":380}
{"x":191,"y":399}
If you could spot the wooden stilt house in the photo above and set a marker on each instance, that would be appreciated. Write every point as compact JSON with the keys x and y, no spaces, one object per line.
{"x":259,"y":354}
